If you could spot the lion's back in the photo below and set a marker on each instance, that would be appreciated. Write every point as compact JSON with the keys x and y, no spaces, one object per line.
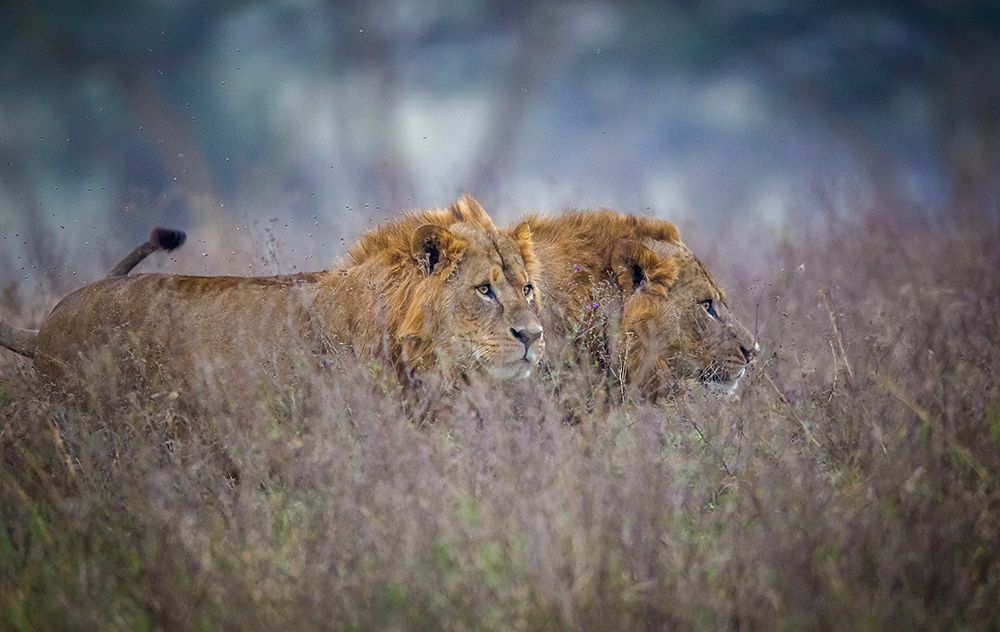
{"x":173,"y":324}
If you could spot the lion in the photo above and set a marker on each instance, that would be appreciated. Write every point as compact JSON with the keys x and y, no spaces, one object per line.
{"x":671,"y":321}
{"x":440,"y":294}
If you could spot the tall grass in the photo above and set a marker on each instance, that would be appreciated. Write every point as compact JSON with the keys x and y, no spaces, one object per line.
{"x":854,"y":485}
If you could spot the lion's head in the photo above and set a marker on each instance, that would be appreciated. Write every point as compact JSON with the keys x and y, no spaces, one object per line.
{"x":676,"y":324}
{"x":475,"y":306}
{"x":630,"y":294}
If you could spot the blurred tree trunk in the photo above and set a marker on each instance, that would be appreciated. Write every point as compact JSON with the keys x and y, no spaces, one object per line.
{"x":535,"y":34}
{"x":966,"y":95}
{"x":383,"y":96}
{"x":173,"y":140}
{"x":41,"y":249}
{"x":168,"y":135}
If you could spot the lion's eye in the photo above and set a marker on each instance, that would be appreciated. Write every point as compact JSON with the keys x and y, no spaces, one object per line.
{"x":485,"y":289}
{"x":709,"y":306}
{"x":528,"y":289}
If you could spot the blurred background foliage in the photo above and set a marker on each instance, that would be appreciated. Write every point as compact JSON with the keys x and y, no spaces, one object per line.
{"x":115,"y":115}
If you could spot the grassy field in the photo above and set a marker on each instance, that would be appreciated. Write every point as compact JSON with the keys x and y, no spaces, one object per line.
{"x":854,"y":485}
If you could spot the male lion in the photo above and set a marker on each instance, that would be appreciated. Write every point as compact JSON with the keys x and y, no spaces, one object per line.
{"x":439,"y":294}
{"x":672,"y":319}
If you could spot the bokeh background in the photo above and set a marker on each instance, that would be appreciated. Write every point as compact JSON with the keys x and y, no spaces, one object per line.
{"x":835,"y":165}
{"x":297,"y":123}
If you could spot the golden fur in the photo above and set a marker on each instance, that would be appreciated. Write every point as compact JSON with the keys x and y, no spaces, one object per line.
{"x":597,"y":262}
{"x":410,"y":294}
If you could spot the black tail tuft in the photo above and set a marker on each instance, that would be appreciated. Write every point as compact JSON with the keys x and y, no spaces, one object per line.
{"x":167,"y":238}
{"x":159,"y":239}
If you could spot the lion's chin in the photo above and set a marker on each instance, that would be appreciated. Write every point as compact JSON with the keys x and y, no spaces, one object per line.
{"x":509,"y":364}
{"x":513,"y":371}
{"x":519,"y":370}
{"x":722,"y":383}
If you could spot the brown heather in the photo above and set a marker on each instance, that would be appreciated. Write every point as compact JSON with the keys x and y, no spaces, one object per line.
{"x":854,"y":485}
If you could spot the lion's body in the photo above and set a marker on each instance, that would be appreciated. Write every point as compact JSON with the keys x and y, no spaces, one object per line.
{"x":625,"y":291}
{"x":179,"y":328}
{"x":410,"y":302}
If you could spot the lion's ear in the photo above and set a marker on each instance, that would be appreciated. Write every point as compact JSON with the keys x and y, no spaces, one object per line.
{"x":522,"y":237}
{"x":433,"y":246}
{"x":637,"y":268}
{"x":468,"y":210}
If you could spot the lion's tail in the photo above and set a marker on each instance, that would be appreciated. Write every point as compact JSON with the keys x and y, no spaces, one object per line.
{"x":160,"y":239}
{"x":22,"y":341}
{"x":18,"y":340}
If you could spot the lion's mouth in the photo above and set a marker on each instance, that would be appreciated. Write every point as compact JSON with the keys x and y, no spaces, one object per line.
{"x":531,"y":355}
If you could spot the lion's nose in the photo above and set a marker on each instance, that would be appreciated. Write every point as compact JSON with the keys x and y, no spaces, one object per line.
{"x":527,"y":335}
{"x":751,"y":353}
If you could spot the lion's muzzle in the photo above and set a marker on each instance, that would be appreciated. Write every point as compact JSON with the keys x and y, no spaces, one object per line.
{"x":528,"y":336}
